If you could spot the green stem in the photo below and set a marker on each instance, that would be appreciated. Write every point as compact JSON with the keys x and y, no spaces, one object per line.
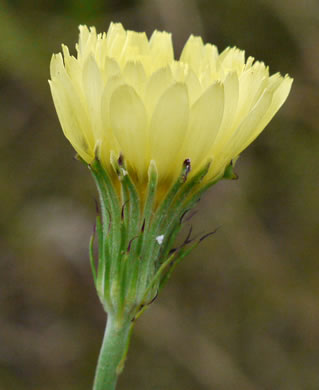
{"x":112,"y":354}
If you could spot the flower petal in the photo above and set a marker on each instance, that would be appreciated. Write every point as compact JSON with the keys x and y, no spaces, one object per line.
{"x":116,"y":37}
{"x":231,"y":96}
{"x":279,"y":97}
{"x":157,"y":84}
{"x":168,"y":128}
{"x":161,"y":48}
{"x":193,"y":86}
{"x":111,"y":68}
{"x":134,"y":75}
{"x":205,"y":119}
{"x":192,"y":52}
{"x":93,"y":87}
{"x":248,"y":127}
{"x":70,"y":117}
{"x":128,"y":121}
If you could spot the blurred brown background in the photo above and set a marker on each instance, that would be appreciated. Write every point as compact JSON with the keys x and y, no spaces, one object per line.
{"x":242,"y":312}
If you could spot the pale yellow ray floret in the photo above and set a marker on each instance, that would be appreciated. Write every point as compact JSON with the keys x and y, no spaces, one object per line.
{"x":125,"y":94}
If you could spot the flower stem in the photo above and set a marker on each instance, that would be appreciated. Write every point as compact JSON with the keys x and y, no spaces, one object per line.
{"x":112,"y":355}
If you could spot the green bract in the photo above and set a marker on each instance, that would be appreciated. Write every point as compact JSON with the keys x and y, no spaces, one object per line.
{"x":136,"y":238}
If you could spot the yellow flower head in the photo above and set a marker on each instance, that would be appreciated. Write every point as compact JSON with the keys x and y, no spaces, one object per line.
{"x":125,"y":94}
